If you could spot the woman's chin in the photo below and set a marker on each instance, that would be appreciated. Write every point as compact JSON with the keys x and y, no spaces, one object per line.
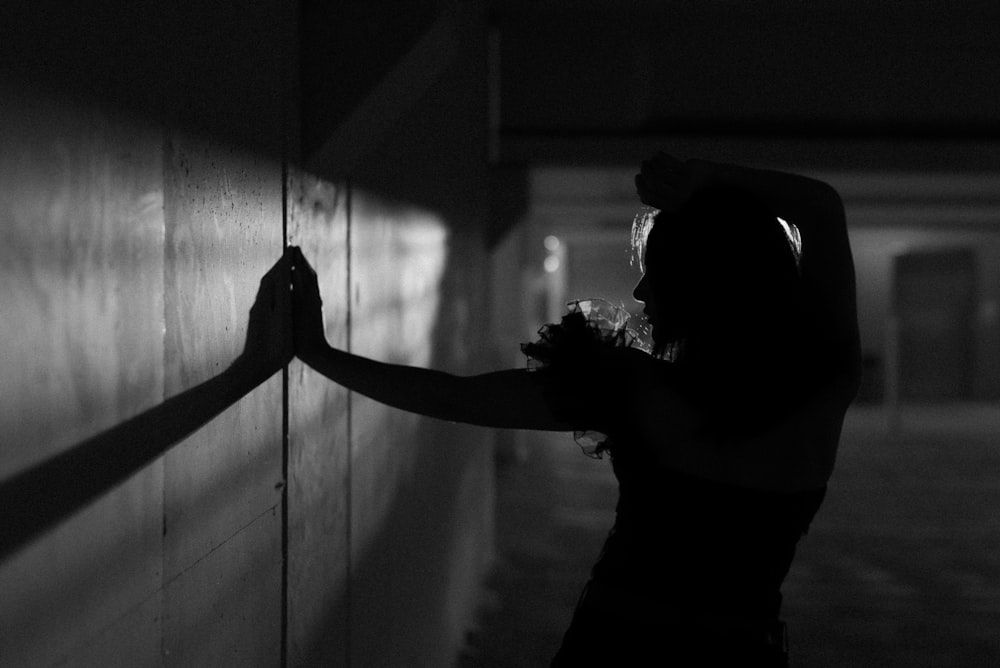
{"x":664,"y":333}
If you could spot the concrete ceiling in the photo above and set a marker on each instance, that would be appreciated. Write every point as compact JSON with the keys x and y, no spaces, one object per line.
{"x":833,"y":73}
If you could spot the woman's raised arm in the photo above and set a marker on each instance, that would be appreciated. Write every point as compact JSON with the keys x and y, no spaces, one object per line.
{"x":666,"y":183}
{"x":813,"y":206}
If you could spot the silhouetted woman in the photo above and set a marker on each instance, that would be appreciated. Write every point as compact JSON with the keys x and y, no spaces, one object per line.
{"x":722,"y":437}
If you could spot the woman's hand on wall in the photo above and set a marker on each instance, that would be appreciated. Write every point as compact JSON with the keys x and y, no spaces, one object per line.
{"x":269,"y":344}
{"x":307,"y":309}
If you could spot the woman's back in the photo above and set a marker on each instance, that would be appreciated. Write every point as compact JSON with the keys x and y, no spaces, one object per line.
{"x":700,"y":546}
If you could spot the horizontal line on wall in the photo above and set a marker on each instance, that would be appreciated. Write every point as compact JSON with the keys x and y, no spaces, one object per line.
{"x":948,"y":129}
{"x":802,"y":153}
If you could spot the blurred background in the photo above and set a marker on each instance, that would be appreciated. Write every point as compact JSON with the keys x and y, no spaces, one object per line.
{"x":457,"y":171}
{"x":888,"y":102}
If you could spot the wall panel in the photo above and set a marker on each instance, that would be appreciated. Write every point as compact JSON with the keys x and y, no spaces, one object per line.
{"x":134,"y":639}
{"x":420,"y":488}
{"x":81,"y":323}
{"x":225,"y":610}
{"x":223,"y":231}
{"x":398,"y":257}
{"x":131,"y":251}
{"x":415,"y":528}
{"x":82,"y":252}
{"x":319,"y":447}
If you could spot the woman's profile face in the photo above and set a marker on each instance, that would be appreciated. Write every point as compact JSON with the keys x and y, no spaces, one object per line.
{"x":662,"y":314}
{"x":643,"y":293}
{"x":662,"y":287}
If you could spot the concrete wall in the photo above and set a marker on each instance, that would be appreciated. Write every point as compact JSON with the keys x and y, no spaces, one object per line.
{"x":151,"y":172}
{"x":875,"y":250}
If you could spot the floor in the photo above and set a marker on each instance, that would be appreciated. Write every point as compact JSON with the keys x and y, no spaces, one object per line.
{"x":901,"y":567}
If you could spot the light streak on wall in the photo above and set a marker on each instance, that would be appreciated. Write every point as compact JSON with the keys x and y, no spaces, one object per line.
{"x":399,"y":254}
{"x":77,"y":264}
{"x":127,"y":278}
{"x":395,"y":311}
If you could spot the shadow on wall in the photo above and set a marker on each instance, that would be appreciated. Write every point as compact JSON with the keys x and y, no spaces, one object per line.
{"x":131,"y":59}
{"x":411,"y":556}
{"x":118,"y":311}
{"x":443,"y":477}
{"x":151,"y":60}
{"x":37,"y":499}
{"x":414,"y":501}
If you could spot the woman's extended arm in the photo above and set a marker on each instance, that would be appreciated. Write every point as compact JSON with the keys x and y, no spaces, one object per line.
{"x":791,"y":196}
{"x":506,"y":399}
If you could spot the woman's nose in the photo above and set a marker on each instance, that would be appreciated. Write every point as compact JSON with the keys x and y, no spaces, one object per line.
{"x":639,"y":291}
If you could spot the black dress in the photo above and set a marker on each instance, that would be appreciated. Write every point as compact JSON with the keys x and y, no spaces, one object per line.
{"x":690,"y":574}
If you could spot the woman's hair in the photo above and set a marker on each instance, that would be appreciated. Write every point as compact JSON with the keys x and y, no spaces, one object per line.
{"x":724,"y":271}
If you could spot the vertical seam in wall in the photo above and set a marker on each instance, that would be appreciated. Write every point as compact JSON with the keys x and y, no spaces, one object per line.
{"x":165,"y":159}
{"x":286,"y":141}
{"x":289,"y":147}
{"x":284,"y":421}
{"x":349,"y":215}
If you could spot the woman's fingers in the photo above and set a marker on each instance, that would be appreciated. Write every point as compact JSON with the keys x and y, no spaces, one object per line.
{"x":663,"y":160}
{"x":307,"y":307}
{"x":304,"y":279}
{"x":305,"y":282}
{"x":268,"y":345}
{"x":302,"y":272}
{"x":664,"y":168}
{"x":646,"y":195}
{"x":300,"y":262}
{"x":274,"y":285}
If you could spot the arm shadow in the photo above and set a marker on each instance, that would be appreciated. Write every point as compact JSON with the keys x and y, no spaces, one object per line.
{"x":35,"y":500}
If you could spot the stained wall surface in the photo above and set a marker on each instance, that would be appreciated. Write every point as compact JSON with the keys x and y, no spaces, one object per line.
{"x":303,"y":525}
{"x":82,"y":238}
{"x":319,"y":444}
